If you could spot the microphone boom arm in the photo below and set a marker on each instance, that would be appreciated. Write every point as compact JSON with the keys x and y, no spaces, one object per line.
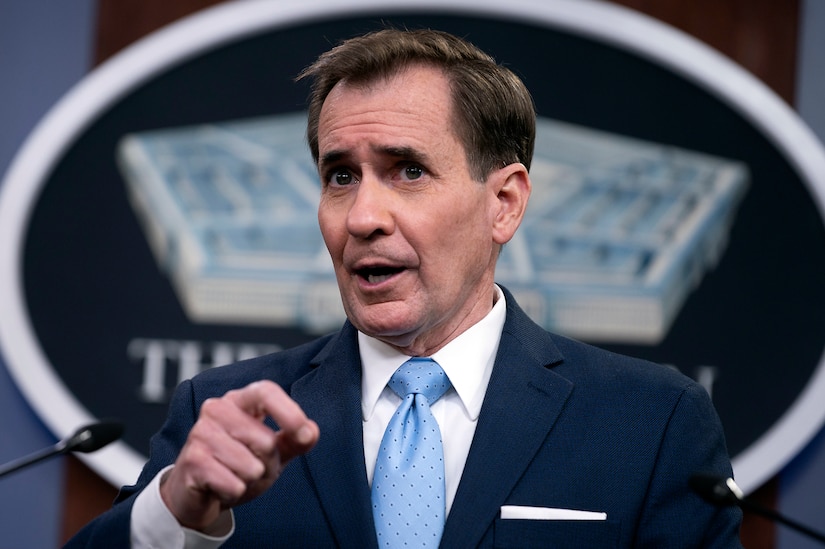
{"x":725,"y":492}
{"x":86,"y":439}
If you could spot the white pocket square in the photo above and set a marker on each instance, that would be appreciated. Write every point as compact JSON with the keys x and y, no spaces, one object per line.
{"x":548,"y":513}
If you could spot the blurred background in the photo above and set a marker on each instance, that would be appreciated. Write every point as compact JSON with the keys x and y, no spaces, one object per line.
{"x":46,"y":47}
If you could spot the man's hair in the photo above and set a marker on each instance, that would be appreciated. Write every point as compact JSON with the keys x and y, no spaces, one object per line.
{"x":494,"y":114}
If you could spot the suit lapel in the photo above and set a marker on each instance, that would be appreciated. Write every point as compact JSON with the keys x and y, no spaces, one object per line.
{"x":523,"y":401}
{"x":331,"y":395}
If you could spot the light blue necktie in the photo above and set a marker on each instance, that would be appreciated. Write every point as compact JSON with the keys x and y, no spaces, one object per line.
{"x":408,"y":500}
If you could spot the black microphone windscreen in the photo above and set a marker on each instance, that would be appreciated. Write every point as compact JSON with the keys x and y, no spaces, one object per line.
{"x":713,"y":489}
{"x":94,"y":437}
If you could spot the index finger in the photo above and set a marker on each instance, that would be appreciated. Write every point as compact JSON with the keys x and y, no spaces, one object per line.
{"x":266,"y":398}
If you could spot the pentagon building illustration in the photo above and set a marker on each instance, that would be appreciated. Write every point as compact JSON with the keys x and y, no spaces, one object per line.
{"x":617,"y":234}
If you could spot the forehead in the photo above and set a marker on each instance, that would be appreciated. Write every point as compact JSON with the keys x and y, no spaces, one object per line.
{"x":415,"y":101}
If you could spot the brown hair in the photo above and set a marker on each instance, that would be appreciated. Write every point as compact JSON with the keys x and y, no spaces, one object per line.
{"x":494,"y":113}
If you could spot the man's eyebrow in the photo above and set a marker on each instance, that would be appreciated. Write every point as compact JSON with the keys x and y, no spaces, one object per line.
{"x":407,"y":153}
{"x":331,"y":157}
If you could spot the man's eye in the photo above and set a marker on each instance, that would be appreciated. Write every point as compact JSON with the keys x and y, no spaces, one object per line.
{"x":412,"y":172}
{"x":341,"y":178}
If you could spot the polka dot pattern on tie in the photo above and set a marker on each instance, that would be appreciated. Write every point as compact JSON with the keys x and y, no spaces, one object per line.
{"x":408,"y":485}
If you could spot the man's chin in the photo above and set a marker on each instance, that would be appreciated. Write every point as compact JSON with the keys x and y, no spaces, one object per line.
{"x":385,"y":323}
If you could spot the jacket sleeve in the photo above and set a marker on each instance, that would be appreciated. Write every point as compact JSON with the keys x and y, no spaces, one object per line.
{"x":673,"y":515}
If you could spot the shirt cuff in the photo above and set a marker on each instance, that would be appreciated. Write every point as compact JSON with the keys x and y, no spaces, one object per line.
{"x":154,"y":526}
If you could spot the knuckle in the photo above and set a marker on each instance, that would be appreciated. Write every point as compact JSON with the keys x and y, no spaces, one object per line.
{"x":211,"y":406}
{"x":255,"y":471}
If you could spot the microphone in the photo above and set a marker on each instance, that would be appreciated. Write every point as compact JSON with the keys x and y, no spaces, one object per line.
{"x":86,"y":439}
{"x":724,"y":492}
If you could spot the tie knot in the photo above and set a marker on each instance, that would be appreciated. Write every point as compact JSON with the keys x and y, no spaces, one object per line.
{"x":420,"y":376}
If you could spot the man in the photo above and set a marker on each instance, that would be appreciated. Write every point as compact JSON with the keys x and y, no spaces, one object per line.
{"x":423,"y":145}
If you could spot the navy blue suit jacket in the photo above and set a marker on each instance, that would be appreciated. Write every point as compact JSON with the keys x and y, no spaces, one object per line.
{"x":563,"y":425}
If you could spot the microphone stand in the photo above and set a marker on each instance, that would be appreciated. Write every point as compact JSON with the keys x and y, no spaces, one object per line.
{"x":725,"y":492}
{"x":749,"y":505}
{"x":86,"y":439}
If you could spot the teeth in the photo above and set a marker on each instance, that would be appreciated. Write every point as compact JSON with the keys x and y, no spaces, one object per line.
{"x":375,"y":279}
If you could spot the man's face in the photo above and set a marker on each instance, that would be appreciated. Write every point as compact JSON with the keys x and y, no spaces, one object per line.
{"x":411,"y":234}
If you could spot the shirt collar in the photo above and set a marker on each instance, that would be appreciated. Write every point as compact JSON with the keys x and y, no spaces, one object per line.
{"x":467,"y":360}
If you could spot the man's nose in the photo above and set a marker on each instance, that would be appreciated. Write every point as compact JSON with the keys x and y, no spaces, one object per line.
{"x":371,"y":210}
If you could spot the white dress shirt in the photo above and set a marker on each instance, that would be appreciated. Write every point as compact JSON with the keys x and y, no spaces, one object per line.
{"x":468,"y":362}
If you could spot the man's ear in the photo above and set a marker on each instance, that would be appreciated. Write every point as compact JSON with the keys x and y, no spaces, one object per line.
{"x":513,"y":190}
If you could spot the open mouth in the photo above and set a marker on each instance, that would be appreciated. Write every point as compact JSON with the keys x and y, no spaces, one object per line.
{"x":377,"y":275}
